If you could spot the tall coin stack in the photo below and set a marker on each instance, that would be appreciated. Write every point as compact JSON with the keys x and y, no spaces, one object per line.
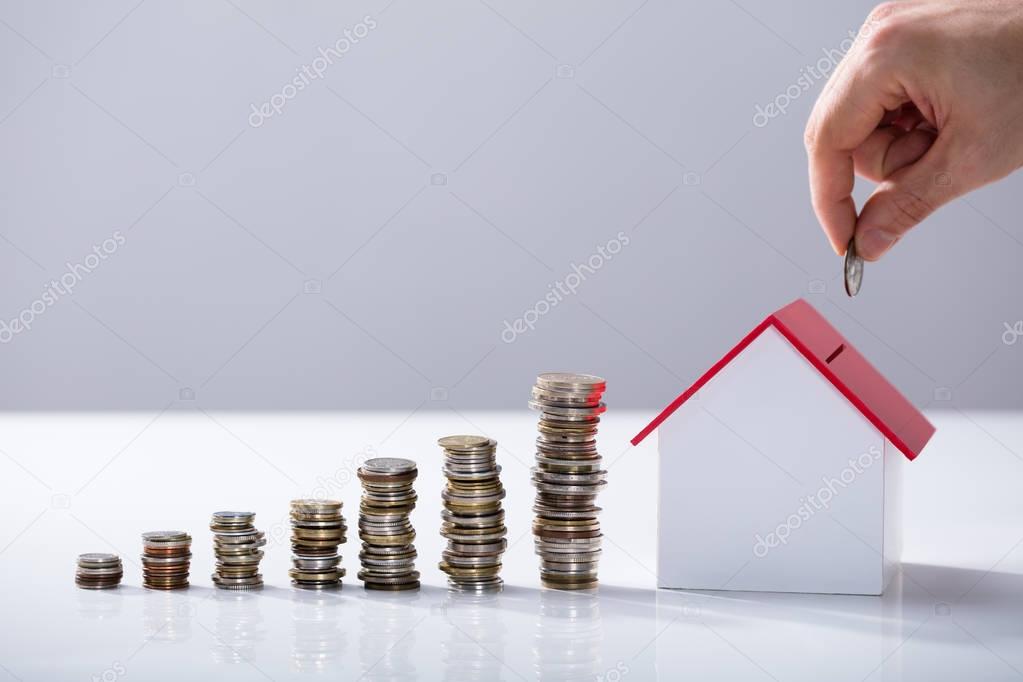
{"x":567,"y":477}
{"x":317,"y":529}
{"x":166,"y":556}
{"x":236,"y":545}
{"x":388,"y":554}
{"x":97,"y":571}
{"x":473,"y":521}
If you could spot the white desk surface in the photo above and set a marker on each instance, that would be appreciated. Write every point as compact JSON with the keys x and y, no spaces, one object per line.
{"x":72,"y":483}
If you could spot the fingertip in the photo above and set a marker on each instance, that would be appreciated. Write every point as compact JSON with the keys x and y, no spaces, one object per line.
{"x":838,"y":222}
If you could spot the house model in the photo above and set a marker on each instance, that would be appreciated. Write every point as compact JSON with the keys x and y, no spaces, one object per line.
{"x":780,"y":468}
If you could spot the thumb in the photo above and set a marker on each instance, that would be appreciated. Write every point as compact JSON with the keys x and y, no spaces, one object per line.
{"x":904,"y":199}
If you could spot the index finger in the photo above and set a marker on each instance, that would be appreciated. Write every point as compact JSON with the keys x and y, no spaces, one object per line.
{"x":847,"y":112}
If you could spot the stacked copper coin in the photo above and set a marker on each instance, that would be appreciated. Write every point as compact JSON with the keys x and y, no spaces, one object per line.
{"x":473,"y":521}
{"x":388,"y":554}
{"x":166,"y":556}
{"x":236,"y":545}
{"x":98,"y":571}
{"x":317,"y":529}
{"x":567,"y":477}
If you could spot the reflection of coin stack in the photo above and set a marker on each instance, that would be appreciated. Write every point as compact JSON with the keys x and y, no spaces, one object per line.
{"x":475,"y":650}
{"x":238,"y":627}
{"x":167,"y":617}
{"x":567,"y":477}
{"x":236,"y":544}
{"x":473,"y":518}
{"x":319,"y":642}
{"x":570,"y":638}
{"x":98,"y":571}
{"x":317,"y":529}
{"x":388,"y":555}
{"x":387,"y":638}
{"x":165,"y":559}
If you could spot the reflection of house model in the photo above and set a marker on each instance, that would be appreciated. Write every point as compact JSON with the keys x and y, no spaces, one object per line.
{"x":780,"y":467}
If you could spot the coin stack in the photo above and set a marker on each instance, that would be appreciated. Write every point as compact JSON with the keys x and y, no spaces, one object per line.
{"x":236,"y":545}
{"x":567,"y":477}
{"x":317,"y":529}
{"x":388,"y":555}
{"x":166,"y":557}
{"x":98,"y":571}
{"x":473,"y":521}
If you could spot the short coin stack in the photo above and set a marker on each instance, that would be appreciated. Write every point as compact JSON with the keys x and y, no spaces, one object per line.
{"x":473,"y":521}
{"x":567,"y":477}
{"x":317,"y":529}
{"x":388,"y":554}
{"x":166,"y":556}
{"x":98,"y":571}
{"x":236,"y":545}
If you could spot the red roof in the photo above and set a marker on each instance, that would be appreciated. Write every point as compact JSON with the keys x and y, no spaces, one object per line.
{"x":842,"y":365}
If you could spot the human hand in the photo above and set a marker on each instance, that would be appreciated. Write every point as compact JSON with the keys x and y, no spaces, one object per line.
{"x":928,"y":103}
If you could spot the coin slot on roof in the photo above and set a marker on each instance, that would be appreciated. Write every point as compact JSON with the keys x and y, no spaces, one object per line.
{"x":835,"y":353}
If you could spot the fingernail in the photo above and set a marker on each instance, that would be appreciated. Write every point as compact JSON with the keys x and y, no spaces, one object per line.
{"x":872,"y":244}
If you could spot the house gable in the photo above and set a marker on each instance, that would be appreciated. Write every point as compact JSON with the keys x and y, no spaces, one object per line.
{"x":837,"y":361}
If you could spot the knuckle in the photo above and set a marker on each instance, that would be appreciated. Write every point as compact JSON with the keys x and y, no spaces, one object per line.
{"x":911,"y":208}
{"x":884,"y":30}
{"x":881,"y":13}
{"x":811,"y":136}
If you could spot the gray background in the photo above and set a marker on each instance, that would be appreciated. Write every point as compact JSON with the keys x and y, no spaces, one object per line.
{"x":454,"y":163}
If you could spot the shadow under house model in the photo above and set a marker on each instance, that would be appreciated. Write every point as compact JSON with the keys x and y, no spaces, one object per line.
{"x":780,"y":468}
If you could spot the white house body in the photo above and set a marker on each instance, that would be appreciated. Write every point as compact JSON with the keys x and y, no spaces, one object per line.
{"x":778,"y":471}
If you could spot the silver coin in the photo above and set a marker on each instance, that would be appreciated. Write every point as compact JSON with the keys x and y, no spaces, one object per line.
{"x":570,"y":380}
{"x":166,"y":536}
{"x":405,"y":564}
{"x":236,"y":534}
{"x":496,"y":585}
{"x":177,"y":544}
{"x":98,"y":558}
{"x":853,"y":269}
{"x":569,"y":413}
{"x":387,"y":551}
{"x":99,"y":572}
{"x":548,"y":476}
{"x":166,"y":561}
{"x":463,"y":442}
{"x":552,"y":549}
{"x":234,"y":516}
{"x":472,"y":476}
{"x":383,"y":518}
{"x":317,"y":504}
{"x":564,"y":399}
{"x":465,"y":521}
{"x":389,"y":465}
{"x":248,"y":580}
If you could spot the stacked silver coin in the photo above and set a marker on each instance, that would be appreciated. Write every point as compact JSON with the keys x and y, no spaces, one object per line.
{"x":166,"y":559}
{"x":98,"y":571}
{"x":388,"y":554}
{"x":473,"y":521}
{"x":317,"y":530}
{"x":236,"y":545}
{"x":568,"y":476}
